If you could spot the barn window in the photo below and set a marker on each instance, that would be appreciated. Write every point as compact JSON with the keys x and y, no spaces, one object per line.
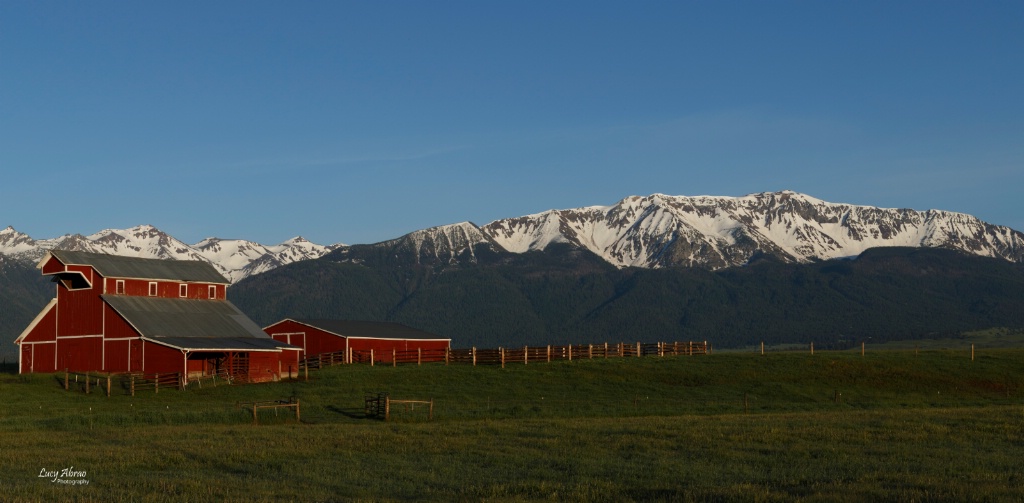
{"x":213,"y":292}
{"x":182,"y":290}
{"x":119,"y":287}
{"x":152,"y":289}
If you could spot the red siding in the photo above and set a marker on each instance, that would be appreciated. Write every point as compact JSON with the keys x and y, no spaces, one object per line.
{"x":46,"y":329}
{"x":160,"y":358}
{"x":80,"y":353}
{"x":82,"y":310}
{"x":38,"y":357}
{"x":115,"y":356}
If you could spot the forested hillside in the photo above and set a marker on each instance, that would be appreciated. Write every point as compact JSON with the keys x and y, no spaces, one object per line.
{"x":566,"y":295}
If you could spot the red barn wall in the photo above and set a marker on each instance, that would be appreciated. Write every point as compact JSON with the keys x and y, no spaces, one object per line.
{"x":38,"y":357}
{"x":160,"y":358}
{"x":263,"y":365}
{"x":82,"y":354}
{"x":80,"y":312}
{"x":115,"y":356}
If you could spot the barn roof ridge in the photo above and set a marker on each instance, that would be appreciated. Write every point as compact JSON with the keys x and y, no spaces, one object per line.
{"x":117,"y":266}
{"x":369,"y":329}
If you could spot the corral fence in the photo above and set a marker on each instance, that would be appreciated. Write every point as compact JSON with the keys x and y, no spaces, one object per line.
{"x":127,"y":383}
{"x":381,"y":406}
{"x":503,"y":356}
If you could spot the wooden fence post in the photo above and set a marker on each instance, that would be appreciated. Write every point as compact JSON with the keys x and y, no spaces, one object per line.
{"x":132,"y":384}
{"x":419,"y":356}
{"x":447,"y":352}
{"x":638,"y":348}
{"x":762,"y":347}
{"x":606,"y":350}
{"x":394,"y":357}
{"x":297,"y":418}
{"x":549,"y":353}
{"x":430,"y":413}
{"x":862,"y":349}
{"x":108,"y":385}
{"x":570,"y":352}
{"x":812,"y":347}
{"x":371,"y":357}
{"x":474,"y":356}
{"x":87,"y":382}
{"x":502,"y":357}
{"x":526,"y":355}
{"x":972,"y":352}
{"x":65,"y":379}
{"x":590,"y":351}
{"x":387,"y":408}
{"x":157,"y":386}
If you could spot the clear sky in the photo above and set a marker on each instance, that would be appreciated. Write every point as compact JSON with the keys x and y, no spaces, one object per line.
{"x":357,"y":122}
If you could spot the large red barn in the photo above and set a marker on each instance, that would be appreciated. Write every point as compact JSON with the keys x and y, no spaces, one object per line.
{"x":345,"y":336}
{"x":126,"y":314}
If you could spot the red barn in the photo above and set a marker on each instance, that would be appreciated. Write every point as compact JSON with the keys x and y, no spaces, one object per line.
{"x":332,"y":336}
{"x":126,"y":314}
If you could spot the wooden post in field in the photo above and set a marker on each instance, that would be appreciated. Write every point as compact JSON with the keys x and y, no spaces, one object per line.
{"x":306,"y":366}
{"x":549,"y":353}
{"x":862,"y":349}
{"x":526,"y":355}
{"x":387,"y":408}
{"x":570,"y":352}
{"x":156,"y":386}
{"x":502,"y":357}
{"x":762,"y":347}
{"x":394,"y":357}
{"x":65,"y":379}
{"x":108,"y":385}
{"x":638,"y":348}
{"x":590,"y":351}
{"x":86,"y":382}
{"x":430,"y":413}
{"x":474,"y":356}
{"x":689,"y":348}
{"x":419,"y":356}
{"x":972,"y":352}
{"x":255,"y":419}
{"x":812,"y":347}
{"x":606,"y":350}
{"x":447,"y":354}
{"x":132,"y":384}
{"x":371,"y":357}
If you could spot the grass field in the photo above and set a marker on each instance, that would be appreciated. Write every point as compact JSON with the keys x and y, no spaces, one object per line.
{"x":928,"y":425}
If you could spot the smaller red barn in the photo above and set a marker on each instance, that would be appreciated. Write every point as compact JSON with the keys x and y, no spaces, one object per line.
{"x":348,"y":337}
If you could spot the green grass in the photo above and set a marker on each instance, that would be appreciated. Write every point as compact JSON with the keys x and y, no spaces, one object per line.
{"x":896,"y":425}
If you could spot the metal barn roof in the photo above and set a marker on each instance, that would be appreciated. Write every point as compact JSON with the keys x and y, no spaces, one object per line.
{"x":370,"y":329}
{"x":192,"y":323}
{"x":114,"y":266}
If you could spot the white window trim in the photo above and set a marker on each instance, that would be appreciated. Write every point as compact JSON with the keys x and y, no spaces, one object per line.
{"x":183,"y":290}
{"x":213,"y":291}
{"x":153,"y":289}
{"x":119,"y":287}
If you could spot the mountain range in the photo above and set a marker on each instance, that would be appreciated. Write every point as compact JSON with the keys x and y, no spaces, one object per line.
{"x":731,"y":269}
{"x":649,"y":232}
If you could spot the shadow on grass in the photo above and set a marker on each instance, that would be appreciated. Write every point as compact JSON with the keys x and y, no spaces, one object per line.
{"x":352,"y":412}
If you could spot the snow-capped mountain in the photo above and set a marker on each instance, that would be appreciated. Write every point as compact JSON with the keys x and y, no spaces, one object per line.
{"x":717,"y":232}
{"x":234,"y":258}
{"x":654,"y":231}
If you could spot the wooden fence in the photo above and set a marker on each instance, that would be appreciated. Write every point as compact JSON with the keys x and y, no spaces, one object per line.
{"x":502,"y":356}
{"x":128,"y":383}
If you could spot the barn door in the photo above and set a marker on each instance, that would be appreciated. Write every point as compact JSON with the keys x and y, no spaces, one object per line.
{"x":135,"y":356}
{"x":26,"y":358}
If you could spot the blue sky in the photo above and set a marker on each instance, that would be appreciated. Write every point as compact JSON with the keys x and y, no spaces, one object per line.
{"x":357,"y":122}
